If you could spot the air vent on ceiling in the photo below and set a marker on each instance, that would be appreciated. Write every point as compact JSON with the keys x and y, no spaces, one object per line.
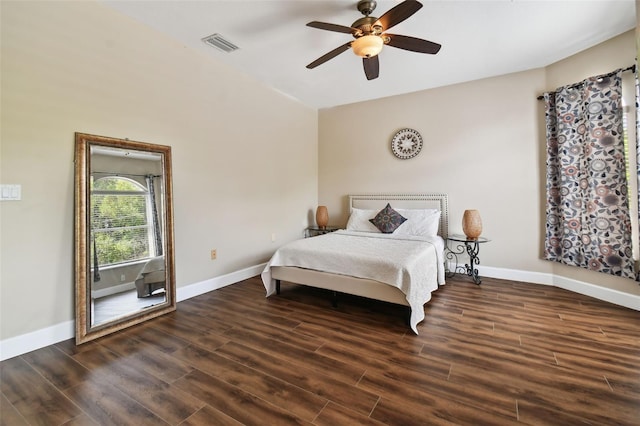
{"x":219,"y":42}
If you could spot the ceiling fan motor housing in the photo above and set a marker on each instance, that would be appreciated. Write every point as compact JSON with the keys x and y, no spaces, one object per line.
{"x":366,"y":26}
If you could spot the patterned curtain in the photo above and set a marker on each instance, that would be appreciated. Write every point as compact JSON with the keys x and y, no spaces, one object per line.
{"x":154,"y":214}
{"x":588,"y":223}
{"x":96,"y":263}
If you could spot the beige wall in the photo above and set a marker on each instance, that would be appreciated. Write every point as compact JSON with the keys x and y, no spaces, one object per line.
{"x":483,"y":146}
{"x":244,"y":157}
{"x":481,"y":152}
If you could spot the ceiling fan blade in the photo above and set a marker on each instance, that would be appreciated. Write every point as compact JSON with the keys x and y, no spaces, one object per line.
{"x":335,"y":52}
{"x":371,"y":67}
{"x":332,"y":27}
{"x":399,"y":13}
{"x":411,"y":43}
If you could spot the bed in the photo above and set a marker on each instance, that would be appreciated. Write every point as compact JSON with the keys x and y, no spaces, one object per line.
{"x":151,"y":278}
{"x":402,"y":267}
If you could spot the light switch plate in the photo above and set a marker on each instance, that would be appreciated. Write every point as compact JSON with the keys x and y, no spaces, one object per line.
{"x":10,"y":192}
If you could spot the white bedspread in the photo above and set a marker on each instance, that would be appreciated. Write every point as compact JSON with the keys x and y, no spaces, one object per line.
{"x":415,"y":265}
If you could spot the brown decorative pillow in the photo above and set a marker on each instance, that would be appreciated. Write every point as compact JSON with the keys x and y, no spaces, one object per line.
{"x":387,"y":220}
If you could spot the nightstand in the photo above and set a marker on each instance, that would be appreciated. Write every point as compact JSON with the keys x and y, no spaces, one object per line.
{"x":472,"y":247}
{"x":314,"y":231}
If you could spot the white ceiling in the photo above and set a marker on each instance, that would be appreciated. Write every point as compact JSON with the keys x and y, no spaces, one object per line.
{"x":479,"y":39}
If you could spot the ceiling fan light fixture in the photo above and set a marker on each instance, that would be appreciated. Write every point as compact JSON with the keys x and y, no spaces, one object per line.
{"x":367,"y":46}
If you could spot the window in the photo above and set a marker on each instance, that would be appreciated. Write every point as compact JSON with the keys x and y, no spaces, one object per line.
{"x":120,"y":221}
{"x":629,"y":127}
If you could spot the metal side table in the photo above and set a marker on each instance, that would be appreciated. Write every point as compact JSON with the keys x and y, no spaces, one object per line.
{"x":314,"y":231}
{"x":464,"y":244}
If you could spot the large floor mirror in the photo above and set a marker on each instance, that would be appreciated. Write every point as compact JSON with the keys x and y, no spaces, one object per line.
{"x":124,"y":254}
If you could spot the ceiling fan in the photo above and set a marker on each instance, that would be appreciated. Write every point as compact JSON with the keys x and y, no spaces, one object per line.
{"x":370,"y":36}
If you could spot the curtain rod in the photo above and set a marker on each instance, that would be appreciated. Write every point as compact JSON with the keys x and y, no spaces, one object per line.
{"x":630,"y":68}
{"x":124,"y":174}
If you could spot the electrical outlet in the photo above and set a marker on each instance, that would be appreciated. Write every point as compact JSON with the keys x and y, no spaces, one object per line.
{"x":122,"y":278}
{"x":214,"y":254}
{"x":273,"y":236}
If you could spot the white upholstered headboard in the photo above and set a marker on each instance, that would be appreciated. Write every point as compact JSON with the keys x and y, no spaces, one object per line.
{"x":406,"y":201}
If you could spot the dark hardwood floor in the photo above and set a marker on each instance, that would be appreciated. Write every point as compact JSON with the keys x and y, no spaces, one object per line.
{"x":500,"y":353}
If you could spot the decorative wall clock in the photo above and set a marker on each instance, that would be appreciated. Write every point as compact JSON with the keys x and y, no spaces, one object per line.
{"x":407,"y":143}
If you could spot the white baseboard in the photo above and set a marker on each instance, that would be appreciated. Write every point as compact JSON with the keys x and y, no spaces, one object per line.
{"x":113,"y":290}
{"x":610,"y":295}
{"x":28,"y":342}
{"x":193,"y":290}
{"x":516,"y":275}
{"x":24,"y":343}
{"x":617,"y":297}
{"x":511,"y":274}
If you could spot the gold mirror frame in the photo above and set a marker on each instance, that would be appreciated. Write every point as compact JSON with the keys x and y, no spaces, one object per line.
{"x":85,"y":331}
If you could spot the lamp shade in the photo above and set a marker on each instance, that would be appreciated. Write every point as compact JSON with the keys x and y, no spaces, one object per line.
{"x":322,"y":216}
{"x":472,"y":224}
{"x":367,"y":46}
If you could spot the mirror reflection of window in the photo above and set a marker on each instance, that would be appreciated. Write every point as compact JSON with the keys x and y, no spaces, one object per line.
{"x":120,"y":221}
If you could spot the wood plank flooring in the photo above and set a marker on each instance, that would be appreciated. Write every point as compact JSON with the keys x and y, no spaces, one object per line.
{"x":497,"y":354}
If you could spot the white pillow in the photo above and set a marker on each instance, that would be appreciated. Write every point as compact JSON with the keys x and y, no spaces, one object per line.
{"x":359,"y":220}
{"x":420,"y":222}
